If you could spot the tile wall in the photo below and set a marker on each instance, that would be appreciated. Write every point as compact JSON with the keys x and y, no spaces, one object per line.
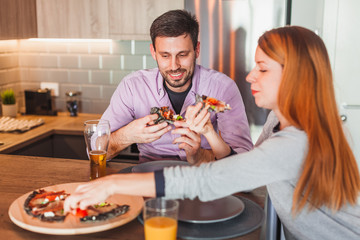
{"x":93,"y":67}
{"x":9,"y":66}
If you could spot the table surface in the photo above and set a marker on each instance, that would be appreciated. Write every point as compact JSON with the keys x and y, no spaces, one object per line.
{"x":22,"y":174}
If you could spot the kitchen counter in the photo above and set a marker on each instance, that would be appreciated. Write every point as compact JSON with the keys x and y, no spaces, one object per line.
{"x":60,"y":124}
{"x":22,"y":174}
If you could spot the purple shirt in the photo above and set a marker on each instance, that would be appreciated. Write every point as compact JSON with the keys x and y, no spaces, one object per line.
{"x":141,"y":90}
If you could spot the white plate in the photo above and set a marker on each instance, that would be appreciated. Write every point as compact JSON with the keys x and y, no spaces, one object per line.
{"x":195,"y":211}
{"x":157,"y":165}
{"x":72,"y":224}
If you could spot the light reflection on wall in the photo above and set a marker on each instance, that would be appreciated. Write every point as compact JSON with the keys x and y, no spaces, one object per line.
{"x":229,"y":30}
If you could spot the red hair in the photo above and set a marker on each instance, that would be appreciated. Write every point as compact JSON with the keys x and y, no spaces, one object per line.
{"x":330,"y":174}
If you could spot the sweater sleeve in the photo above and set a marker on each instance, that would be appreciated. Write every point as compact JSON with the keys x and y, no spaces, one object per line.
{"x":159,"y":183}
{"x":276,"y":159}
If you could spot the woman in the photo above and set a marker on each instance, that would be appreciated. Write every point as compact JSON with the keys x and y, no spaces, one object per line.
{"x":305,"y":162}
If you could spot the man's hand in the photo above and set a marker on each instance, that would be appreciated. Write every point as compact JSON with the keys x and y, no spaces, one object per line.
{"x":141,"y":130}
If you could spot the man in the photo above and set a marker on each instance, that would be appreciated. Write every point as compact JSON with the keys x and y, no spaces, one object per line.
{"x":174,"y":83}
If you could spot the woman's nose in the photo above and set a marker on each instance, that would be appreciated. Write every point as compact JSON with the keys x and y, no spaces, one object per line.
{"x":251,"y":77}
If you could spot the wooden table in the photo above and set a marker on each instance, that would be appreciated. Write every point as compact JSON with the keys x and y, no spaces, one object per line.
{"x":22,"y":174}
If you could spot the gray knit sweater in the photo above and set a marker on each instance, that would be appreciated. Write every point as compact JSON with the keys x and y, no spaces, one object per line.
{"x":275,"y":163}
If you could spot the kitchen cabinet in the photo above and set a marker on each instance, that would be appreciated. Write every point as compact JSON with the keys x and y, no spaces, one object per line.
{"x":56,"y":146}
{"x":131,"y":19}
{"x":115,"y":19}
{"x":72,"y":19}
{"x":17,"y":19}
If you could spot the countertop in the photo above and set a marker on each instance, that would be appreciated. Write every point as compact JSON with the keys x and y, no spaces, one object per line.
{"x":60,"y":124}
{"x":22,"y":174}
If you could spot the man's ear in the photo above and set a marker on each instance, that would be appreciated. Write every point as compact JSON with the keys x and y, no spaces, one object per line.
{"x":152,"y":50}
{"x":197,"y":50}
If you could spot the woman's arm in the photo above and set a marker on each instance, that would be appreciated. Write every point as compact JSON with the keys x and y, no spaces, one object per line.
{"x":138,"y":184}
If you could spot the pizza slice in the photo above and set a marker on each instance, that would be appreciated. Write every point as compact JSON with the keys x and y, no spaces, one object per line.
{"x":165,"y":114}
{"x":215,"y":104}
{"x":48,"y":206}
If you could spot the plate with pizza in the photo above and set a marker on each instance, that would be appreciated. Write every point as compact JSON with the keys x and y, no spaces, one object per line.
{"x":41,"y":211}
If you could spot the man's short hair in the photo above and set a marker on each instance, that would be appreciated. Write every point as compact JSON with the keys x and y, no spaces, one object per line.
{"x":175,"y":23}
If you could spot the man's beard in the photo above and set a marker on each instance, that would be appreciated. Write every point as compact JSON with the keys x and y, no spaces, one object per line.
{"x":178,"y":83}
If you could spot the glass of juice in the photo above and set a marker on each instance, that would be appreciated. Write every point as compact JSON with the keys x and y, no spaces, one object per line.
{"x":160,"y":219}
{"x":97,"y":136}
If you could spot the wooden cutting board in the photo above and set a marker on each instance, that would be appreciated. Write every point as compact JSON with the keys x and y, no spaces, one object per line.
{"x":72,"y":225}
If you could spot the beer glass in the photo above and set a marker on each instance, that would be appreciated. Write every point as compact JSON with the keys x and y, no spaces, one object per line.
{"x":97,"y":136}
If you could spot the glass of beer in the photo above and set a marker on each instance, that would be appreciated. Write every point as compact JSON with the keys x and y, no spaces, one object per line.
{"x":97,"y":136}
{"x":160,"y":218}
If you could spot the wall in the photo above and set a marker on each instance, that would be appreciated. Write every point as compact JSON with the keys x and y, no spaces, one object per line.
{"x":93,"y":67}
{"x":9,"y":66}
{"x":309,"y":14}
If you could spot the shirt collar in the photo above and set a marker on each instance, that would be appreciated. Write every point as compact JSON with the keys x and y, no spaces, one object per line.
{"x":159,"y":84}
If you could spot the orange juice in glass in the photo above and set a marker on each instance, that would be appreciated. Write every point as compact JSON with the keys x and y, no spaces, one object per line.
{"x":160,"y":219}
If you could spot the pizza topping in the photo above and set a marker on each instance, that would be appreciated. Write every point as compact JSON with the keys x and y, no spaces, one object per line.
{"x":108,"y":211}
{"x":49,"y":207}
{"x":81,"y":213}
{"x":215,"y":105}
{"x":165,"y":114}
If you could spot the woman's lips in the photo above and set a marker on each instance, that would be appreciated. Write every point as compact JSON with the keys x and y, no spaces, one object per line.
{"x":253,"y":91}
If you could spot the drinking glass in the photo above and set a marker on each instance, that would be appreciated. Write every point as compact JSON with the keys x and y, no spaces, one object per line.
{"x":160,"y":219}
{"x":97,"y":136}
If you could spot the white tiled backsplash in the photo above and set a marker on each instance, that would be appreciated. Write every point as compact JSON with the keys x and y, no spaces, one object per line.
{"x":93,"y":67}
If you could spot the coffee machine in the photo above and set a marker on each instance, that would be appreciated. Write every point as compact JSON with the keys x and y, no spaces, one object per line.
{"x":39,"y":102}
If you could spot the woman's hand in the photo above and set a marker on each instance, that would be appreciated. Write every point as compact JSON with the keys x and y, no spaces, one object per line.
{"x":198,"y":121}
{"x":94,"y":192}
{"x":97,"y":191}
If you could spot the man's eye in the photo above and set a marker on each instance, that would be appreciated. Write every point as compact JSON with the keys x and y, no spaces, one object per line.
{"x":165,"y":56}
{"x":262,"y":70}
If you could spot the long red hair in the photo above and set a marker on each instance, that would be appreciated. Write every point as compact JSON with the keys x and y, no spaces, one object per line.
{"x":330,"y":174}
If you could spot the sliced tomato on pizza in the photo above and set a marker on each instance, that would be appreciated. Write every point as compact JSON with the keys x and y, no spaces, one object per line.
{"x":47,"y":206}
{"x":215,"y":104}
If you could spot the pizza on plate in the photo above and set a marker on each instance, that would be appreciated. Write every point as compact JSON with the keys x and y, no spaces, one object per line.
{"x":48,"y":206}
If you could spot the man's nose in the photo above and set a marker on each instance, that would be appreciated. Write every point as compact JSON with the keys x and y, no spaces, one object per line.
{"x":175,"y":63}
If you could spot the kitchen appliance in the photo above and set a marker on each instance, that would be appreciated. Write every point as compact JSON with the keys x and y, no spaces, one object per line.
{"x":229,"y":30}
{"x":72,"y":102}
{"x":39,"y":102}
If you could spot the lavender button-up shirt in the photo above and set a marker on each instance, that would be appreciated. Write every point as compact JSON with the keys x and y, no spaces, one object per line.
{"x":141,"y":90}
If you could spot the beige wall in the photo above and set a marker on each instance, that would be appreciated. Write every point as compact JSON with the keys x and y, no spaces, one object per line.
{"x":93,"y":67}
